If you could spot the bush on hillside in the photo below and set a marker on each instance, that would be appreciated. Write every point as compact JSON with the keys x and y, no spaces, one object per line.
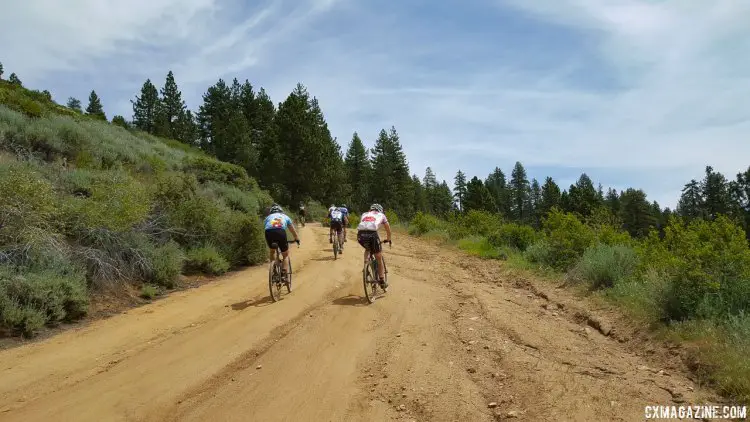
{"x":604,"y":265}
{"x":210,"y":170}
{"x":567,"y":238}
{"x":241,"y":239}
{"x":712,"y":275}
{"x":28,"y":205}
{"x":473,"y":222}
{"x":206,"y":259}
{"x":31,"y":298}
{"x":513,"y":235}
{"x":423,"y":223}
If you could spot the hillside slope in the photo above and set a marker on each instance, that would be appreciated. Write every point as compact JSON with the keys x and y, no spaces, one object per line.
{"x":85,"y":204}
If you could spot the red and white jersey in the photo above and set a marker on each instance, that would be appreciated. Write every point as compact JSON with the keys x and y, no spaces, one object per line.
{"x":371,"y":221}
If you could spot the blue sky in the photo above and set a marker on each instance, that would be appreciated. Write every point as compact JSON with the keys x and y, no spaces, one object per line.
{"x":634,"y":93}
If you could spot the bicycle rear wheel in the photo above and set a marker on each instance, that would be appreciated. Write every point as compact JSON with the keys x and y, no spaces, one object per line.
{"x":369,"y":281}
{"x":274,"y":281}
{"x":335,"y":247}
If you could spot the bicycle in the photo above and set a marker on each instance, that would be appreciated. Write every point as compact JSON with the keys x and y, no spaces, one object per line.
{"x":370,"y":276}
{"x":301,"y":219}
{"x":275,"y":280}
{"x":338,"y":246}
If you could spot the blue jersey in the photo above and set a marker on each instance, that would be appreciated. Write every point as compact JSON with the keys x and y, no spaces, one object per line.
{"x":277,"y":221}
{"x":344,"y":211}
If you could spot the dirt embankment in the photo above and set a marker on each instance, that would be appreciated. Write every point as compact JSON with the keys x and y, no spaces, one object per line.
{"x":453,"y":340}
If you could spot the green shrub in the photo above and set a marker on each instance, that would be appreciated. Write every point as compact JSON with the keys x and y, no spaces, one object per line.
{"x":479,"y":246}
{"x":423,"y":223}
{"x":209,"y":169}
{"x":27,"y":203}
{"x":149,"y":292}
{"x":241,"y":239}
{"x":513,"y":235}
{"x":165,"y":264}
{"x":712,"y":275}
{"x":539,"y":253}
{"x":392,"y":217}
{"x":353,"y":220}
{"x":173,"y":188}
{"x":196,"y":220}
{"x":644,"y":297}
{"x":31,"y":298}
{"x":567,"y":238}
{"x":473,"y":222}
{"x":207,"y":260}
{"x":604,"y":265}
{"x":234,"y":198}
{"x":439,"y":235}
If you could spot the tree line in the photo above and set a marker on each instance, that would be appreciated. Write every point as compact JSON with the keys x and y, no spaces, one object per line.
{"x":290,"y":151}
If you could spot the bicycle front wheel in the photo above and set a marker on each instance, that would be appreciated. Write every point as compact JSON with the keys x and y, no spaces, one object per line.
{"x":289,"y":278}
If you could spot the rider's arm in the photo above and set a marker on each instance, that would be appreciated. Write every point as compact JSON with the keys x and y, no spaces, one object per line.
{"x":294,"y":232}
{"x":387,"y":230}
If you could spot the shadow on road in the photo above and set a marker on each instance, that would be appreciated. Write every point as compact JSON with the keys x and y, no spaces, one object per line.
{"x":351,"y":300}
{"x":264,"y":301}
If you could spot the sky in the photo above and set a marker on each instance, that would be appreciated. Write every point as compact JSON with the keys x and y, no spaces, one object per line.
{"x":634,"y":93}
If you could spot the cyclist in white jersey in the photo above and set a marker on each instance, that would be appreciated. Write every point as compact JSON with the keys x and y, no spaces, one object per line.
{"x":367,"y":236}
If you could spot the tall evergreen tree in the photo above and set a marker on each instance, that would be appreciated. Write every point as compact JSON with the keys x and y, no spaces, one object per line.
{"x":535,"y":202}
{"x":421,"y":202}
{"x":716,"y":198}
{"x":270,"y":153}
{"x":74,"y":104}
{"x":1,"y":71}
{"x":498,"y":187}
{"x":636,"y":213}
{"x":145,"y":108}
{"x":519,"y":192}
{"x":357,"y":164}
{"x":391,"y":180}
{"x":459,"y":188}
{"x":478,"y":197}
{"x":169,"y":109}
{"x":95,"y":107}
{"x":443,"y":198}
{"x":691,"y":201}
{"x":118,"y":120}
{"x":430,"y":185}
{"x":584,"y":198}
{"x":550,"y":196}
{"x":612,"y":201}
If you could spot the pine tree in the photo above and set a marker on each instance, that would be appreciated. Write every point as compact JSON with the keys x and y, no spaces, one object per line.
{"x":478,"y":197}
{"x":13,"y":79}
{"x":519,"y":193}
{"x":550,"y":197}
{"x":430,"y":188}
{"x":459,"y":188}
{"x":690,"y":204}
{"x":269,"y":151}
{"x":169,"y":109}
{"x":536,"y":203}
{"x":47,"y":95}
{"x":74,"y":104}
{"x":357,"y":164}
{"x":498,"y":187}
{"x":584,"y":198}
{"x":145,"y":108}
{"x":716,"y":198}
{"x":390,"y":174}
{"x":213,"y":119}
{"x":636,"y":213}
{"x":612,"y":201}
{"x":1,"y":71}
{"x":420,"y":195}
{"x":95,"y":107}
{"x":443,"y":199}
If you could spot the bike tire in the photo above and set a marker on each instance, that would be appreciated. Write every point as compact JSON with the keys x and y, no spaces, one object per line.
{"x":335,"y":249}
{"x":273,"y":286}
{"x":289,"y":278}
{"x":369,"y":282}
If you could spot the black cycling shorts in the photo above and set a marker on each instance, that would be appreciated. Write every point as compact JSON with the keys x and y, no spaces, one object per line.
{"x":369,"y":240}
{"x":337,"y":225}
{"x":277,"y":236}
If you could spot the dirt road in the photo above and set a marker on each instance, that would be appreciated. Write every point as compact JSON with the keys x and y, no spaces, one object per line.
{"x":451,"y":336}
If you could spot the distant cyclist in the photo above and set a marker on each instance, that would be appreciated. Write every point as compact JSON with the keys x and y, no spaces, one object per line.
{"x":276,"y":224}
{"x":330,"y":231}
{"x":344,"y":210}
{"x":367,"y":236}
{"x":337,"y":225}
{"x":302,"y":213}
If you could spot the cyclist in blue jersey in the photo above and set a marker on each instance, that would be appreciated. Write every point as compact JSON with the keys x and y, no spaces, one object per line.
{"x":276,"y":224}
{"x":345,"y":211}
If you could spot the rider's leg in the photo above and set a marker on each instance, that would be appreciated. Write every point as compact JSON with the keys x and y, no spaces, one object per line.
{"x":330,"y":234}
{"x":381,"y":268}
{"x":271,"y":254}
{"x":340,"y":234}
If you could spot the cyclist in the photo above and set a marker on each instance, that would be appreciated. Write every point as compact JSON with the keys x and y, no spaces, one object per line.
{"x":337,"y":222}
{"x":330,"y":232}
{"x":367,"y":236}
{"x":302,"y":213}
{"x":345,"y":211}
{"x":276,"y":224}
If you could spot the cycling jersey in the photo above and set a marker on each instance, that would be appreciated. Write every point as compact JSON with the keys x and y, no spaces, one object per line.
{"x":277,"y":221}
{"x":337,"y":215}
{"x":371,"y":221}
{"x":344,"y":211}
